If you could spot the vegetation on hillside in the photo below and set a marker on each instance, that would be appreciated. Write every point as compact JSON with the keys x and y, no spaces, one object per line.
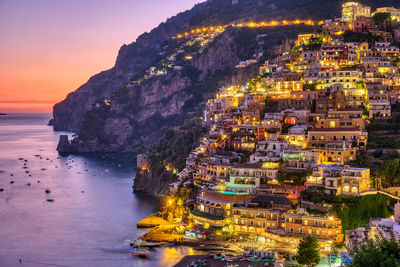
{"x":292,"y":178}
{"x":176,"y":144}
{"x":358,"y":213}
{"x":377,"y":252}
{"x":95,"y":118}
{"x":220,"y":12}
{"x":354,"y":211}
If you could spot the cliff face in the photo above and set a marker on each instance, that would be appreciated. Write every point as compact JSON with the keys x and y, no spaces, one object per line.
{"x":131,"y":60}
{"x":153,"y":183}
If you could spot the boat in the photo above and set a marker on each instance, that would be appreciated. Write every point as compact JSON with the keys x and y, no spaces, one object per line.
{"x":141,"y":253}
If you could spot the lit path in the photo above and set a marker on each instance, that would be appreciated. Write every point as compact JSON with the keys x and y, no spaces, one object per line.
{"x":380,"y":192}
{"x":272,"y":23}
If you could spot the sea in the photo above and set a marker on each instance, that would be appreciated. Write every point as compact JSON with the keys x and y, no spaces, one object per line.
{"x":68,"y":210}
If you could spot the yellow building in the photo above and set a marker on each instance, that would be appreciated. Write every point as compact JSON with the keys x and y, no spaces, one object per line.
{"x":337,"y":153}
{"x":320,"y":226}
{"x":345,"y":180}
{"x":348,"y":117}
{"x":351,"y":10}
{"x":318,"y":137}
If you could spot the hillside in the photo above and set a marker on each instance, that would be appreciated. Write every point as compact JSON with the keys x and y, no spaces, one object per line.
{"x":175,"y":88}
{"x":116,"y":110}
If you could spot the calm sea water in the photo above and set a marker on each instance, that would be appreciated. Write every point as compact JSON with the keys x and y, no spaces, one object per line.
{"x":93,"y":212}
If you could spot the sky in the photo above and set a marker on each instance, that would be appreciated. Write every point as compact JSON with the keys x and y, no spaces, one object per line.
{"x":49,"y":48}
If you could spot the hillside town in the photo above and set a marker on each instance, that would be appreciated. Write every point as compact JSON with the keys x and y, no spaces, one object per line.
{"x":283,"y":150}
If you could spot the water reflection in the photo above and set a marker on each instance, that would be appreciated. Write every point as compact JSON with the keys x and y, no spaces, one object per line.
{"x":93,"y":212}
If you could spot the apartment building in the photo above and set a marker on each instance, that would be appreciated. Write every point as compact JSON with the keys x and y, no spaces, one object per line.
{"x":322,"y":227}
{"x":318,"y":137}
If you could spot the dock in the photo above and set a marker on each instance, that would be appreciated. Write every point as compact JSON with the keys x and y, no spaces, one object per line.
{"x":151,"y":221}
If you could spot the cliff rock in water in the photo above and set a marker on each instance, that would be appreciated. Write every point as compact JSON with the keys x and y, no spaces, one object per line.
{"x":153,"y":183}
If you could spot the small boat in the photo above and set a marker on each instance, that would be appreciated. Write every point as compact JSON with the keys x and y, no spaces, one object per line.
{"x":141,"y":253}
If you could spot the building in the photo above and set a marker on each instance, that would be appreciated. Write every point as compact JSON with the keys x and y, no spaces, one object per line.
{"x":263,"y":213}
{"x":340,"y":179}
{"x":214,"y":208}
{"x":323,"y":227}
{"x":335,"y":26}
{"x":347,"y":77}
{"x":348,"y":117}
{"x":318,"y":137}
{"x":210,"y":171}
{"x":245,"y":177}
{"x":351,"y":10}
{"x":333,"y":56}
{"x":330,"y":98}
{"x":337,"y":153}
{"x":364,"y":24}
{"x":143,"y":161}
{"x":245,"y":137}
{"x":297,"y":136}
{"x":268,"y":150}
{"x":300,"y":159}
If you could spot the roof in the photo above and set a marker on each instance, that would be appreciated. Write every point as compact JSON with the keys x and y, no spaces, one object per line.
{"x":216,"y":200}
{"x":207,"y":215}
{"x":276,"y":199}
{"x":334,"y":130}
{"x":347,"y":109}
{"x":248,"y":165}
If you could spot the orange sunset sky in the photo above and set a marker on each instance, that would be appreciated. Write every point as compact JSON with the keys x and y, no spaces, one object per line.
{"x":49,"y":48}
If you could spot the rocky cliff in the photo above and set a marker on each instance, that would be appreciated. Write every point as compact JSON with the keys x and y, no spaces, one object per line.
{"x":152,"y":183}
{"x":132,"y":59}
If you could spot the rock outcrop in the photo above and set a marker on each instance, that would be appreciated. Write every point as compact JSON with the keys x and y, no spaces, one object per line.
{"x":131,"y":60}
{"x":155,"y":184}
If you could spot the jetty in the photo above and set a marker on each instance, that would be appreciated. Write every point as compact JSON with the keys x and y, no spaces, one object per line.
{"x":151,"y":221}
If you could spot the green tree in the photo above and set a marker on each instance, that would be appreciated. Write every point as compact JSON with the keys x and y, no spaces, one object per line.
{"x":390,"y":171}
{"x":308,"y":251}
{"x":383,"y":20}
{"x":313,"y":44}
{"x":377,"y":252}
